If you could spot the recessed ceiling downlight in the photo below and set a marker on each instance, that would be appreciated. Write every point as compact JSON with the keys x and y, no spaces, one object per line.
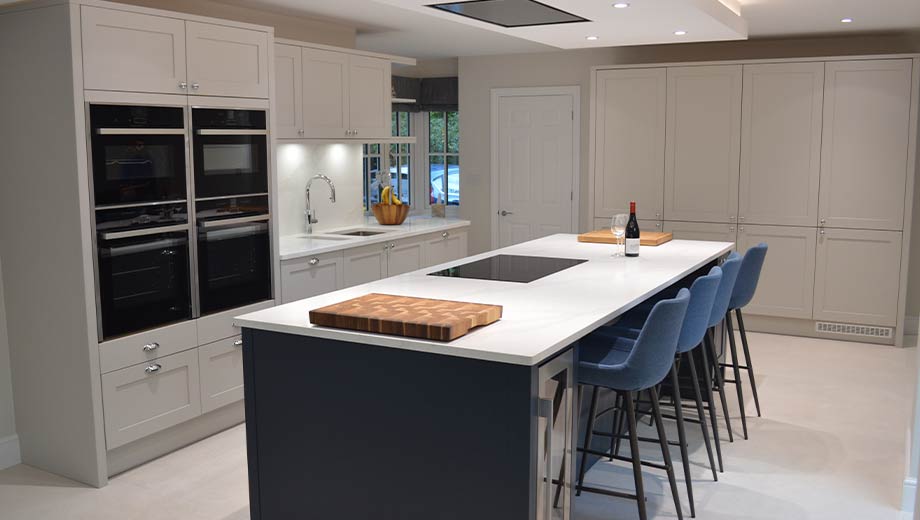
{"x":846,"y":20}
{"x":680,"y":33}
{"x":591,"y":38}
{"x":621,"y":5}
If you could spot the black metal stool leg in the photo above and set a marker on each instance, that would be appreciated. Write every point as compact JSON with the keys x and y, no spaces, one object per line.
{"x":747,"y":360}
{"x":634,"y":453}
{"x":702,"y":414}
{"x":616,"y":428}
{"x":665,"y":451}
{"x":710,"y":344}
{"x":621,"y":424}
{"x":737,"y":372}
{"x":712,"y":405}
{"x":589,"y":434}
{"x":682,"y":437}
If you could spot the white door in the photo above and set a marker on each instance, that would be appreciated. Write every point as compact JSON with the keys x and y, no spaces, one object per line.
{"x":864,"y":160}
{"x":325,"y":93}
{"x":113,"y":42}
{"x":535,"y":141}
{"x":781,"y":144}
{"x":226,"y":61}
{"x":703,"y":143}
{"x":787,"y":281}
{"x":288,"y":111}
{"x":629,"y":142}
{"x":369,"y":96}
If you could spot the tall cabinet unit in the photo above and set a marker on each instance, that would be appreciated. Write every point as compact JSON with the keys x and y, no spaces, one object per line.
{"x":93,"y":400}
{"x":814,"y":157}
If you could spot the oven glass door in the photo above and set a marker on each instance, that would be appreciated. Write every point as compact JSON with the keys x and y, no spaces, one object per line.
{"x":143,"y":282}
{"x":138,"y":168}
{"x":228,"y":165}
{"x":234,"y":264}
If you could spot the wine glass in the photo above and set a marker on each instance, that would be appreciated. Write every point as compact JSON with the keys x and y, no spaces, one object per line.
{"x":618,"y":228}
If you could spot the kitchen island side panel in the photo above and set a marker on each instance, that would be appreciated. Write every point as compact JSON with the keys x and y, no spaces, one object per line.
{"x":352,"y":431}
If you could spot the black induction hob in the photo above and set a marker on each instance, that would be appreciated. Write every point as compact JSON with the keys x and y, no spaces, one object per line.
{"x":510,"y":268}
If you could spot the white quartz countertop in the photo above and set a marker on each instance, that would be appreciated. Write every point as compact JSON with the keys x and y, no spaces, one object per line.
{"x":539,"y":318}
{"x":298,"y":246}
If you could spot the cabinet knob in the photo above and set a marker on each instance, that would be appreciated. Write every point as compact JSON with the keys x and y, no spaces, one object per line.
{"x":392,"y":245}
{"x":238,"y":343}
{"x":195,"y":86}
{"x":314,"y":261}
{"x":183,"y":85}
{"x":150,"y":347}
{"x":731,"y":217}
{"x":823,"y":221}
{"x":153,"y":369}
{"x":822,"y":231}
{"x":741,"y":219}
{"x":354,"y":132}
{"x":731,"y":228}
{"x":300,"y":132}
{"x":741,"y":229}
{"x":657,"y":215}
{"x":445,"y":234}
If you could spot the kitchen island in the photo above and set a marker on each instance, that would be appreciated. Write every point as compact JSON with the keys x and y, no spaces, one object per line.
{"x":352,"y":425}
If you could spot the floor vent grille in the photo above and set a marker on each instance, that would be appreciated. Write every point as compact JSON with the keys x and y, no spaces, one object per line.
{"x":866,"y":331}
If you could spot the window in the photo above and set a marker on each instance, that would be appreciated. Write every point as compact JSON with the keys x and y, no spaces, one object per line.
{"x":444,"y":157}
{"x":395,"y":158}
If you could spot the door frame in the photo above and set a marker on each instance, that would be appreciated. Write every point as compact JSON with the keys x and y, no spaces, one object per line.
{"x":497,"y":94}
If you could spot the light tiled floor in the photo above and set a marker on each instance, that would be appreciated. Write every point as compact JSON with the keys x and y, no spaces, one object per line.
{"x":831,"y":445}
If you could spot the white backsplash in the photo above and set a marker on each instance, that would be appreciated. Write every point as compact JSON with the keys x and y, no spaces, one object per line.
{"x":298,"y":162}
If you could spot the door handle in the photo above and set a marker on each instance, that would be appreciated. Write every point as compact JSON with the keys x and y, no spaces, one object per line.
{"x":505,"y":213}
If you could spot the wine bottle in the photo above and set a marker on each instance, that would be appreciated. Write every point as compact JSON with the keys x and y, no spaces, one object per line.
{"x":632,"y":232}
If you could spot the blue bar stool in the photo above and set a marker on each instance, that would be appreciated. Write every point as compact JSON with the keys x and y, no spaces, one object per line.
{"x":730,"y":269}
{"x":743,"y":293}
{"x":702,"y":296}
{"x":627,"y":366}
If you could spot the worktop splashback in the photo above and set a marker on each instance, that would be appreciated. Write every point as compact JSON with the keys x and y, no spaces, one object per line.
{"x":297,"y":162}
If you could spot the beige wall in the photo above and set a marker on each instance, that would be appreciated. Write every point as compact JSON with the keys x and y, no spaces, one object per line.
{"x":286,"y":26}
{"x":7,"y":421}
{"x":478,"y":75}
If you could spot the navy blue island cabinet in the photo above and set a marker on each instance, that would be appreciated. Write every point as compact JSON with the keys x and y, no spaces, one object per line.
{"x":338,"y":430}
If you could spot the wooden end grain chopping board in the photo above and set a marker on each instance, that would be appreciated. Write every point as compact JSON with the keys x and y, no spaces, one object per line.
{"x":440,"y":320}
{"x":605,"y":236}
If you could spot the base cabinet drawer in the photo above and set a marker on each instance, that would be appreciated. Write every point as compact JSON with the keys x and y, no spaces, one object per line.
{"x":147,"y":346}
{"x":143,"y":399}
{"x":220,"y":325}
{"x":221,"y":365}
{"x":445,"y":247}
{"x":310,"y":276}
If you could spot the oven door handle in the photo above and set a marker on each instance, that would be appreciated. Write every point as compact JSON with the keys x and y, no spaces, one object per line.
{"x":140,"y":131}
{"x":233,"y":221}
{"x":232,"y":131}
{"x":115,"y":235}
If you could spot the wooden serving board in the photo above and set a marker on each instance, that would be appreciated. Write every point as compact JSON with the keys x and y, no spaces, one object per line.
{"x":440,"y":320}
{"x":605,"y":236}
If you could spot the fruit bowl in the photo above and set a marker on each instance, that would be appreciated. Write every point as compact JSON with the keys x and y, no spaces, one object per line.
{"x":390,"y":214}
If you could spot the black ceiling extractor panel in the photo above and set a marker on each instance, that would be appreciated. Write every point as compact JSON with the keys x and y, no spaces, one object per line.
{"x":510,"y":13}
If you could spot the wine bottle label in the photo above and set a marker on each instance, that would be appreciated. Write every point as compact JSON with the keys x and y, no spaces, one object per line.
{"x":632,"y":246}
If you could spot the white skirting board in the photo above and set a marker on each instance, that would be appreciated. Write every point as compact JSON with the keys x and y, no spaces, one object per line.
{"x":909,"y":495}
{"x":9,"y":451}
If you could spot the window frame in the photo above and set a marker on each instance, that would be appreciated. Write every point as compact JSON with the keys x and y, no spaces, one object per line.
{"x":425,"y":126}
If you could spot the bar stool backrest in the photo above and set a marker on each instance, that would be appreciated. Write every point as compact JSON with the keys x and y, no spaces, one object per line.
{"x":702,"y":296}
{"x":651,"y":357}
{"x":729,"y":274}
{"x":748,"y":276}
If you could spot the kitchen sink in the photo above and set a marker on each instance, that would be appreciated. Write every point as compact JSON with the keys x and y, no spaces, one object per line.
{"x":361,"y":233}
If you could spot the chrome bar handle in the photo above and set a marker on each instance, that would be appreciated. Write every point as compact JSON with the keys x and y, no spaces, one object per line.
{"x":150,"y":347}
{"x":153,"y":369}
{"x":232,"y":131}
{"x":238,"y":343}
{"x":231,"y":221}
{"x":140,"y":131}
{"x":115,"y":235}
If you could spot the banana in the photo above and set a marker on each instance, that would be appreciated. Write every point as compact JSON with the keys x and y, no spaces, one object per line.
{"x":396,"y":200}
{"x":385,"y":196}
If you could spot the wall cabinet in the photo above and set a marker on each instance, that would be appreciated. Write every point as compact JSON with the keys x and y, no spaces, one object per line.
{"x":330,"y":94}
{"x":143,"y":399}
{"x":179,"y":57}
{"x":703,"y":143}
{"x":865,"y":145}
{"x":857,"y":276}
{"x":787,"y":281}
{"x":629,"y":141}
{"x":781,"y":143}
{"x":221,"y":373}
{"x":309,"y":276}
{"x":226,"y":61}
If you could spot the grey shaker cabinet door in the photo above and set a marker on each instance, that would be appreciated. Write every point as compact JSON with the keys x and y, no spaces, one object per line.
{"x":143,"y":399}
{"x":865,"y":144}
{"x":310,"y":276}
{"x":227,"y":61}
{"x":288,"y":111}
{"x":629,"y":146}
{"x":857,"y":276}
{"x":787,"y":281}
{"x":221,"y":365}
{"x":703,"y":143}
{"x":781,"y":143}
{"x":445,"y":246}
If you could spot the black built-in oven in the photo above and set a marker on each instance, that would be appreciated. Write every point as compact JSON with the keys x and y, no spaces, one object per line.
{"x":234,"y":252}
{"x":138,"y":154}
{"x":230,"y":150}
{"x":143,"y":268}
